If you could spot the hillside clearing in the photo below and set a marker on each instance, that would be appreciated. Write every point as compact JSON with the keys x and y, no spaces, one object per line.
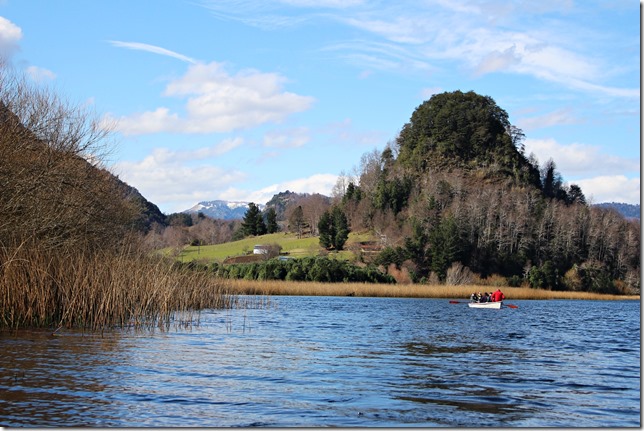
{"x":289,"y":242}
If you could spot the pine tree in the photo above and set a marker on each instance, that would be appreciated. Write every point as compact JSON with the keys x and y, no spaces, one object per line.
{"x":271,"y":221}
{"x":253,"y":222}
{"x":334,"y":229}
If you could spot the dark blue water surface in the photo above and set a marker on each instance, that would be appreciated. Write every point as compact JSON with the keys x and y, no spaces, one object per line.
{"x":339,"y":361}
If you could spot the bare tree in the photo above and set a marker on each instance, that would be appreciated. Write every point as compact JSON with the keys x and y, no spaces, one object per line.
{"x":55,"y":190}
{"x":313,"y":207}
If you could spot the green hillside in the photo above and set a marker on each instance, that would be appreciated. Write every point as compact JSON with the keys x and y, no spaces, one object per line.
{"x":290,"y":243}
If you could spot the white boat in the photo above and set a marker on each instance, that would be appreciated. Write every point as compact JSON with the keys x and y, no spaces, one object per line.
{"x":496,"y":305}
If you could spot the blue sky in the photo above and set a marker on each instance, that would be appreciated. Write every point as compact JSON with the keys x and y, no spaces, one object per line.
{"x":242,"y":99}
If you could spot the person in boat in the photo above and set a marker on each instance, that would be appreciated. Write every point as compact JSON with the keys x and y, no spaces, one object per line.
{"x":498,"y":296}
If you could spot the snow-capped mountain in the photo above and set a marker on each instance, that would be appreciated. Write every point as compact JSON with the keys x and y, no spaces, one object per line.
{"x":223,"y":210}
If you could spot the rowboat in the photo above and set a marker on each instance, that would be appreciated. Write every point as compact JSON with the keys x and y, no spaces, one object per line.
{"x":496,"y":305}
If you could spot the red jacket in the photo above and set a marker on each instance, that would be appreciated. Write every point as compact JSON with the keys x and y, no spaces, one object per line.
{"x":498,"y":296}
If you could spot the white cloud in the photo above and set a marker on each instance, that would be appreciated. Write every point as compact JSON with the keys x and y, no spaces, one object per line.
{"x":151,"y":48}
{"x":175,"y":180}
{"x":615,"y":188}
{"x":579,"y":160}
{"x":219,"y":102}
{"x":10,"y":35}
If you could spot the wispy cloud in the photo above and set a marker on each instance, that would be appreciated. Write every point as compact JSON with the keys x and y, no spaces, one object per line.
{"x":291,"y":138}
{"x":495,"y":36}
{"x":216,"y":101}
{"x":555,"y":118}
{"x":39,"y":74}
{"x":153,"y":49}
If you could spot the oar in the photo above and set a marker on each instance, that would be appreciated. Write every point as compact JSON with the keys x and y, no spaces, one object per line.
{"x":511,"y":305}
{"x":457,"y":302}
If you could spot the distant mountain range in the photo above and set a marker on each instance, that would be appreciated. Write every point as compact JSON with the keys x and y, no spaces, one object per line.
{"x":627,"y":210}
{"x":230,"y":210}
{"x":222,"y":210}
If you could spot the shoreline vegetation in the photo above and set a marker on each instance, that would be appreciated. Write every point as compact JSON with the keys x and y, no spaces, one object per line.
{"x":461,"y":292}
{"x":41,"y":288}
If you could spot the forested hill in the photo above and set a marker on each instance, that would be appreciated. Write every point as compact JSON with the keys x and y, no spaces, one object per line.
{"x":456,"y":190}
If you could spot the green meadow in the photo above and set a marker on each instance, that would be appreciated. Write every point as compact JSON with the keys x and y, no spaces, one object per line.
{"x":291,"y":246}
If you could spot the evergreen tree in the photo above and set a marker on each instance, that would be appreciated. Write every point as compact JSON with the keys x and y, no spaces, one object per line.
{"x":253,"y":222}
{"x":341,"y":228}
{"x":334,"y":229}
{"x":271,"y":221}
{"x":576,"y":195}
{"x":326,"y":229}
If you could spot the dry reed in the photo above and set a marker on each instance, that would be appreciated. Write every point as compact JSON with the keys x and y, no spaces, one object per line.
{"x":98,"y":291}
{"x":256,"y":287}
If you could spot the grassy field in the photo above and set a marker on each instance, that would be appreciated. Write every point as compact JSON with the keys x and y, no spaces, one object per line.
{"x":290,"y":243}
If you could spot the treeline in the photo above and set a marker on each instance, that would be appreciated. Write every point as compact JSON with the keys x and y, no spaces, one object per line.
{"x":456,"y":186}
{"x":319,"y":269}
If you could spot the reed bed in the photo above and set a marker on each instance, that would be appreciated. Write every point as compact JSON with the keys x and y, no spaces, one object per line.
{"x":257,"y":287}
{"x":97,"y":291}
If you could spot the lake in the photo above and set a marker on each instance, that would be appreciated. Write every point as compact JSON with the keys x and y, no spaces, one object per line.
{"x":339,"y":361}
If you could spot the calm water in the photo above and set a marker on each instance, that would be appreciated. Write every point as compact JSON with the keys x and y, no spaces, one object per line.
{"x":319,"y":361}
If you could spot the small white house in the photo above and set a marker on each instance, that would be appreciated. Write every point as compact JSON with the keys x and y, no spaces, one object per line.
{"x":261,"y":249}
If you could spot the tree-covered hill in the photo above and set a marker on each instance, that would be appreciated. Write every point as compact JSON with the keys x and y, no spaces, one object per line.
{"x":454,"y":196}
{"x":456,"y":189}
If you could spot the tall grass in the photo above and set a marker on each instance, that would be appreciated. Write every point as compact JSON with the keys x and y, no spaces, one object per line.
{"x":96,"y":291}
{"x":463,"y":292}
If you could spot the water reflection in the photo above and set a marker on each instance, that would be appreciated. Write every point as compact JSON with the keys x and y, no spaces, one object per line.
{"x":42,"y":373}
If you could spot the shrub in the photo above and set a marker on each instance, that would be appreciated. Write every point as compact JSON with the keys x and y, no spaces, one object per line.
{"x":458,"y":274}
{"x":514,"y":281}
